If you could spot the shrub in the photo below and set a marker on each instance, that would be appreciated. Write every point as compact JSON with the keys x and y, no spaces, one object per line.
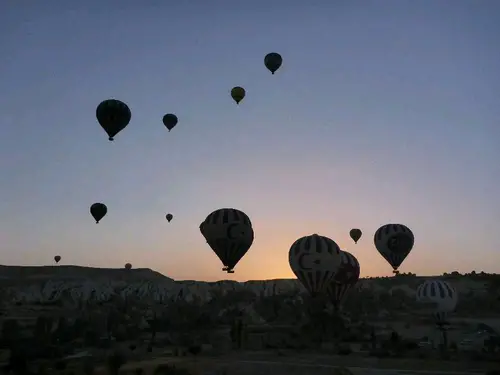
{"x":60,"y":365}
{"x":88,"y":367}
{"x":114,"y":362}
{"x":166,"y":369}
{"x":344,"y":350}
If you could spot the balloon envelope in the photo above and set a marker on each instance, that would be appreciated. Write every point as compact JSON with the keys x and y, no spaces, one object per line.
{"x":346,"y":277}
{"x":440,"y":296}
{"x":113,"y":116}
{"x":238,"y":93}
{"x":170,"y":120}
{"x":57,"y":258}
{"x":355,"y":234}
{"x":128,"y":266}
{"x":229,"y":234}
{"x":314,"y":260}
{"x":273,"y":61}
{"x":169,"y":217}
{"x":394,"y":242}
{"x":98,"y":211}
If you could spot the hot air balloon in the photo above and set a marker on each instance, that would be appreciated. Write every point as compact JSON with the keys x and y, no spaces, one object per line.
{"x":346,"y":277}
{"x":128,"y":266}
{"x":314,"y":260}
{"x":169,"y":217}
{"x":113,"y":115}
{"x":273,"y":61}
{"x":229,"y":233}
{"x":442,"y":299}
{"x":98,"y":211}
{"x":355,"y":234}
{"x":57,"y":258}
{"x":238,"y":93}
{"x":170,"y":120}
{"x":394,"y":242}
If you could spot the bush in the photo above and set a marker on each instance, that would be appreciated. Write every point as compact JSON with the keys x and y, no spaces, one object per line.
{"x":166,"y":369}
{"x":344,"y":350}
{"x":115,"y":362}
{"x":88,"y":367}
{"x":380,"y":353}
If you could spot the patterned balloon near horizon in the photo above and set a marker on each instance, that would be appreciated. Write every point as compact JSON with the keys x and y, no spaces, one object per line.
{"x":128,"y":266}
{"x":440,"y":295}
{"x":229,"y":234}
{"x":346,"y":277}
{"x":394,"y":242}
{"x":315,"y":261}
{"x":57,"y":258}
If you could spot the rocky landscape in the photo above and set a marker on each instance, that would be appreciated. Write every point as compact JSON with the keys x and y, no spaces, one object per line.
{"x":71,"y":309}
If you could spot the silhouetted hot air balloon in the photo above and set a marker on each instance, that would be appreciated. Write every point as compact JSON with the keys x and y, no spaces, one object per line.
{"x":229,"y":234}
{"x":98,"y":211}
{"x":113,"y":115}
{"x":128,"y":266}
{"x":57,"y":258}
{"x":273,"y":61}
{"x":314,"y":260}
{"x":170,"y":120}
{"x":169,"y":217}
{"x":394,"y":242}
{"x":355,"y":234}
{"x":442,"y":299}
{"x":238,"y":93}
{"x":346,"y":277}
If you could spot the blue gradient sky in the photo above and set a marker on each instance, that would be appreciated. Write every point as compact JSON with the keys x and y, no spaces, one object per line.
{"x":383,"y":111}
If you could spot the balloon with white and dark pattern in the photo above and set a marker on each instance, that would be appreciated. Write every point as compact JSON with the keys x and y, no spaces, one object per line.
{"x":229,"y":234}
{"x":346,"y":277}
{"x":315,"y":261}
{"x":440,"y":295}
{"x":394,"y":242}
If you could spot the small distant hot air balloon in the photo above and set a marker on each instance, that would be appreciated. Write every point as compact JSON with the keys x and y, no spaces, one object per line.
{"x":128,"y":266}
{"x":273,"y":61}
{"x":113,"y":115}
{"x":169,"y":217}
{"x":238,"y":93}
{"x":98,"y":211}
{"x":315,"y":261}
{"x":355,"y":234}
{"x":229,"y":234}
{"x":57,"y":258}
{"x":170,"y":120}
{"x":394,"y":242}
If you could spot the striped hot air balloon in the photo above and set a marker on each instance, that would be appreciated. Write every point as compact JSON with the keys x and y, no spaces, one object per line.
{"x":346,"y":277}
{"x":314,"y":260}
{"x":229,"y":234}
{"x":440,"y":296}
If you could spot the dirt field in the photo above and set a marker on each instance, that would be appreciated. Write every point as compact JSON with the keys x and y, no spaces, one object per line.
{"x":271,"y":364}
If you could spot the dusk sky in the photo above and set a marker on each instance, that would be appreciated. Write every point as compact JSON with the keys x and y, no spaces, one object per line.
{"x":383,"y":111}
